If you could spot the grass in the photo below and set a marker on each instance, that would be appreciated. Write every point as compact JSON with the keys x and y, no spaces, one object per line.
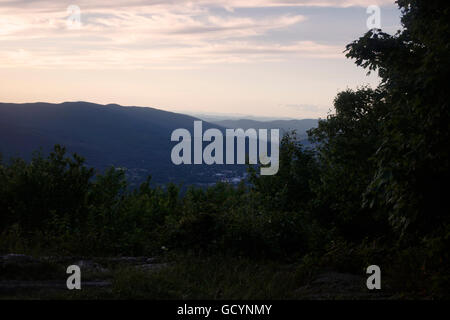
{"x":210,"y":278}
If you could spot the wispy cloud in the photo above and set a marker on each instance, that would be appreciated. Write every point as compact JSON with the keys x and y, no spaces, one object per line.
{"x":152,"y":34}
{"x":48,"y":5}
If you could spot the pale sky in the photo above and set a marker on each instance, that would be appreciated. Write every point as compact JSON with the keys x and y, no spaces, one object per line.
{"x":276,"y":58}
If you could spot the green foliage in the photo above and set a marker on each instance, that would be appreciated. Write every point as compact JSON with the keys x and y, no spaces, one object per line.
{"x":290,"y":188}
{"x":347,"y":141}
{"x":31,"y":192}
{"x":412,"y":161}
{"x":104,"y":217}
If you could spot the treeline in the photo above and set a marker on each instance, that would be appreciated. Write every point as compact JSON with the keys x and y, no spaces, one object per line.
{"x":371,"y":192}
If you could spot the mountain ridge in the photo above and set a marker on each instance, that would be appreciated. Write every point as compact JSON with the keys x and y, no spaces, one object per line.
{"x":131,"y":137}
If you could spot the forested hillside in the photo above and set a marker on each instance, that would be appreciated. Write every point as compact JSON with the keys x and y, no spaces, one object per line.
{"x":136,"y":139}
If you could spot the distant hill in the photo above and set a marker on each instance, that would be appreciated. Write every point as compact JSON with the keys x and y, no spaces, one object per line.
{"x":135,"y":138}
{"x":301,"y":126}
{"x":216,"y":117}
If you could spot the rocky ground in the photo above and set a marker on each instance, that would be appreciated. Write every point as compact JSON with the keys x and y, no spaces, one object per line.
{"x":23,"y":276}
{"x":335,"y":285}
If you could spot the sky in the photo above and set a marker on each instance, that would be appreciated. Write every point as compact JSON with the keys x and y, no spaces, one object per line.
{"x":267,"y":58}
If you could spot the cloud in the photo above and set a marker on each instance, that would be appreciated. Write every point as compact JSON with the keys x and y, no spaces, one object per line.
{"x":152,"y":34}
{"x":228,"y":4}
{"x":167,"y":58}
